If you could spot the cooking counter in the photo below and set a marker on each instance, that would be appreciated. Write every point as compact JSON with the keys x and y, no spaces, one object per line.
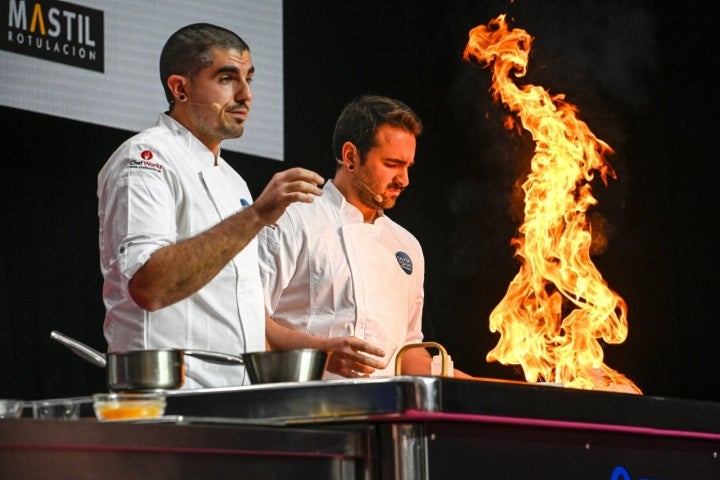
{"x":394,"y":428}
{"x":397,"y":397}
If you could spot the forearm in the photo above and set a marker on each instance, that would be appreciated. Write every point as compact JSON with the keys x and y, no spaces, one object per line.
{"x":416,"y":361}
{"x":177,"y":271}
{"x":280,"y":337}
{"x":419,"y":362}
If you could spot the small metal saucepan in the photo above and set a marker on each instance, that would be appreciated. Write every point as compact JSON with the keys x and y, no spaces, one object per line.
{"x":151,"y":370}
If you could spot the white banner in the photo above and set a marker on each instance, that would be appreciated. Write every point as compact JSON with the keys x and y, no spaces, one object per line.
{"x":97,"y":61}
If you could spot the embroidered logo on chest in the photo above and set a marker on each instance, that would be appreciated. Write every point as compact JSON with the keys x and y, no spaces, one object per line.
{"x":404,"y":261}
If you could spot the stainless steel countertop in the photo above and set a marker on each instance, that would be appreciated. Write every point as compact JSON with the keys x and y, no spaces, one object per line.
{"x":333,"y":401}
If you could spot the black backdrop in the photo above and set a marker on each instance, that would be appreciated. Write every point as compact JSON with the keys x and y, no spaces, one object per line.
{"x":639,"y":73}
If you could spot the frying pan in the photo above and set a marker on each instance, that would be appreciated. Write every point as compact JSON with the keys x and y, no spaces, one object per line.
{"x":164,"y":369}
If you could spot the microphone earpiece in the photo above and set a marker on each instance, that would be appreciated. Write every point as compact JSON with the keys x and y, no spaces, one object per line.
{"x":377,"y":197}
{"x":350,"y":167}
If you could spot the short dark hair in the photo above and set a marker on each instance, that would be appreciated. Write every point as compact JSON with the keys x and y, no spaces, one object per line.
{"x":190,"y":49}
{"x":360,"y":120}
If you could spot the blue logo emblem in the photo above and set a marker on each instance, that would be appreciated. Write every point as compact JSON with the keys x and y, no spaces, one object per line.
{"x":404,"y":262}
{"x":244,"y":203}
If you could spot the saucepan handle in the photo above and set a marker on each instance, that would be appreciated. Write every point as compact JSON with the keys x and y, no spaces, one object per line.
{"x":88,"y":353}
{"x":215,"y":357}
{"x":410,"y":346}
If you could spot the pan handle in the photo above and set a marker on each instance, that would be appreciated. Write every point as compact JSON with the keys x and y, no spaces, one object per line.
{"x":215,"y":357}
{"x":89,"y":354}
{"x":97,"y":358}
{"x":410,"y":346}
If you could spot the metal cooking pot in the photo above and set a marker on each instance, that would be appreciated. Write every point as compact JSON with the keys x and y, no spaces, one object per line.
{"x":150,"y":370}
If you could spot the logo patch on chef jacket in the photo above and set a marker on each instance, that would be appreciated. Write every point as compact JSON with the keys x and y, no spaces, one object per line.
{"x":145,"y":162}
{"x":244,"y":203}
{"x":404,"y":261}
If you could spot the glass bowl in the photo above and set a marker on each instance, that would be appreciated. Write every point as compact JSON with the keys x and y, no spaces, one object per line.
{"x":57,"y":409}
{"x":128,"y":406}
{"x":11,"y":408}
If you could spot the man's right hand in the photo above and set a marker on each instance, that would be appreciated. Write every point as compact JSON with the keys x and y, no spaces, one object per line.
{"x":353,"y":357}
{"x":286,"y":187}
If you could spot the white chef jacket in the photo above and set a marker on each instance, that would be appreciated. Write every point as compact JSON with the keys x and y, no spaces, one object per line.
{"x":160,"y":187}
{"x":327,"y":273}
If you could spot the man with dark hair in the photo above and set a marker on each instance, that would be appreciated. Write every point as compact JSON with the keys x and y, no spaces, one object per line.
{"x":339,"y":275}
{"x":178,"y":225}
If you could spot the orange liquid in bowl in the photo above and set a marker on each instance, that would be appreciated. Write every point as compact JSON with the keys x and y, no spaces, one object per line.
{"x":129,"y":412}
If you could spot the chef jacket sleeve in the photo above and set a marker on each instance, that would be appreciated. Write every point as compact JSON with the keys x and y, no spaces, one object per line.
{"x":144,"y":220}
{"x":278,"y":253}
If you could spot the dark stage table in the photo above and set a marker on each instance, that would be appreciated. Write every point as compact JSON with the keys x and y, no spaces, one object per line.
{"x":410,"y":428}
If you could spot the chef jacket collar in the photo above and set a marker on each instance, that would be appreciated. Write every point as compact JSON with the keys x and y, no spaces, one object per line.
{"x":348,"y":211}
{"x":193,"y":143}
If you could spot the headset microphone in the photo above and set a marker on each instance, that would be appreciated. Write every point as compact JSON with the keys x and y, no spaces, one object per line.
{"x":215,"y":106}
{"x":378,"y":198}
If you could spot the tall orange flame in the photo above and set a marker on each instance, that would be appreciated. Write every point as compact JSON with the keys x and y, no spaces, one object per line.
{"x":558,"y":304}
